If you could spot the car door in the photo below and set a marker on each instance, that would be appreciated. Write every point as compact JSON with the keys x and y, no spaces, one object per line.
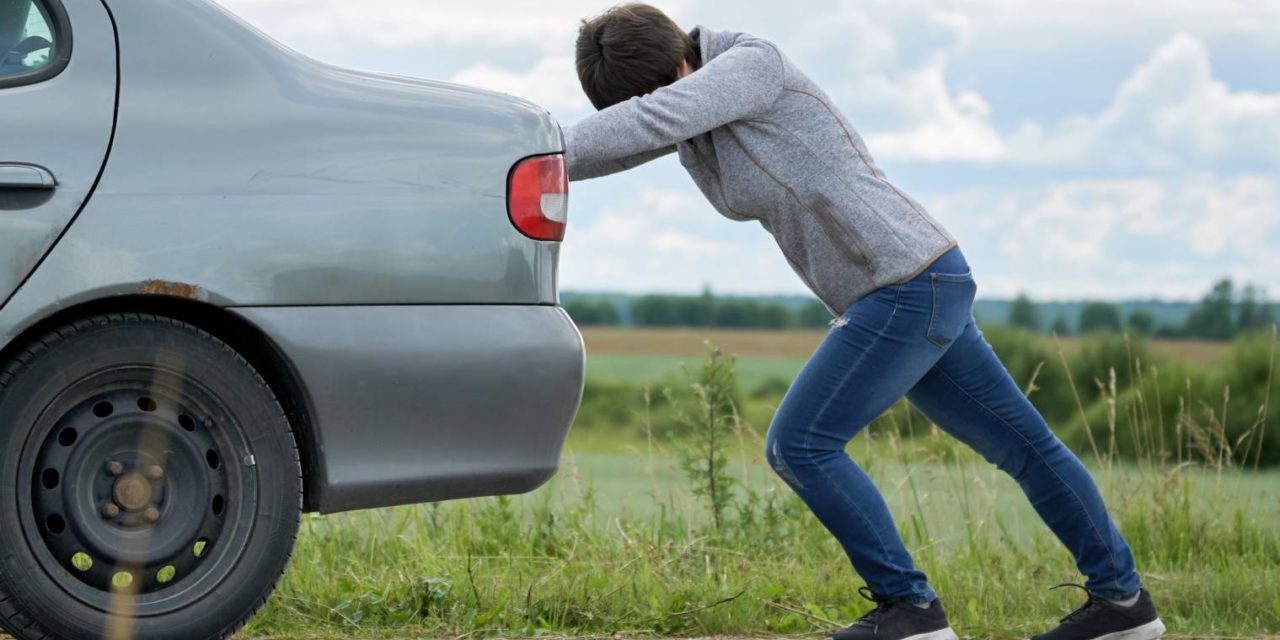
{"x":57,"y":108}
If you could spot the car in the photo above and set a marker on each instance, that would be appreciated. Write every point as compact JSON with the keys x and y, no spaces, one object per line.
{"x":238,"y":285}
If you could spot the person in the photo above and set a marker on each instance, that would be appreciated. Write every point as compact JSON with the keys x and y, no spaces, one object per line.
{"x":763,"y":142}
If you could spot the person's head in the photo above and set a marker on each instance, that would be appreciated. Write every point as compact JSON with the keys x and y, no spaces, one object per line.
{"x":631,"y":50}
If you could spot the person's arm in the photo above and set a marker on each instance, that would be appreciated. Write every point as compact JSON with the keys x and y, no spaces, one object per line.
{"x":736,"y":85}
{"x":587,"y":171}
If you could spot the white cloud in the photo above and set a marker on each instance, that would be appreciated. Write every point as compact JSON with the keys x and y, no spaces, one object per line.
{"x":655,"y":239}
{"x":1119,"y":237}
{"x":1059,"y":21}
{"x":1170,"y":112}
{"x":681,"y":244}
{"x":944,"y":126}
{"x":1232,"y":216}
{"x":552,"y":82}
{"x":630,"y":243}
{"x":888,"y":61}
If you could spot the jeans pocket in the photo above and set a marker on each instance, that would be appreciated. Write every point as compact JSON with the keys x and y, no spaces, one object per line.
{"x":953,"y":295}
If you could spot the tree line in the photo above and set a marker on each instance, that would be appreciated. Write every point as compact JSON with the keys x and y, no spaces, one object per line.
{"x":1223,"y":313}
{"x":705,"y":310}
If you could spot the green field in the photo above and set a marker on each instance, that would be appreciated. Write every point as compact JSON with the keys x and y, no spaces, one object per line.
{"x":618,"y":543}
{"x":641,"y":368}
{"x":621,"y":542}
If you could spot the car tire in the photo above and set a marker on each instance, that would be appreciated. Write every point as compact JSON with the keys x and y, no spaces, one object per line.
{"x":149,"y":483}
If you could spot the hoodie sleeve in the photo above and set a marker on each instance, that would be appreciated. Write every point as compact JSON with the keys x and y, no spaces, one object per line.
{"x":589,"y":170}
{"x":736,"y":85}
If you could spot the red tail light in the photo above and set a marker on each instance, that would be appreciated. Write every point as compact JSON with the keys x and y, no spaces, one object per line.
{"x":538,"y":197}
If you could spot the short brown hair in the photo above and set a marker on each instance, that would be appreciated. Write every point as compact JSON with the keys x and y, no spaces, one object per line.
{"x":630,"y":50}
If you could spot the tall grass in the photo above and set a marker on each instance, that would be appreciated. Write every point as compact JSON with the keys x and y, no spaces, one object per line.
{"x":627,"y":540}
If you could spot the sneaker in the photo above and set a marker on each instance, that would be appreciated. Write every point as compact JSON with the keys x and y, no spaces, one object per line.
{"x":895,"y":619}
{"x":1102,"y":619}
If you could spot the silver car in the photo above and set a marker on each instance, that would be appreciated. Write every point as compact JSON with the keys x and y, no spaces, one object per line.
{"x":237,"y":284}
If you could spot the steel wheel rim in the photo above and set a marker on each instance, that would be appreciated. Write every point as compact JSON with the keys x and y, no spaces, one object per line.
{"x":204,"y":498}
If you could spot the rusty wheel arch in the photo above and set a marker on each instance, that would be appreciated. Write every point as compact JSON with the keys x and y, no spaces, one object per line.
{"x":246,"y":338}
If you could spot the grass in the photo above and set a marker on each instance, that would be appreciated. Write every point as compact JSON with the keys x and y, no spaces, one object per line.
{"x":619,"y":542}
{"x":641,"y":368}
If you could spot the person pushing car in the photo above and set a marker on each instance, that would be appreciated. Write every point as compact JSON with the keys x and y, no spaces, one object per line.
{"x":764,"y":143}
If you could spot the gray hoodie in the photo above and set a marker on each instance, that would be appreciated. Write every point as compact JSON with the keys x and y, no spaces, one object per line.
{"x":764,"y":143}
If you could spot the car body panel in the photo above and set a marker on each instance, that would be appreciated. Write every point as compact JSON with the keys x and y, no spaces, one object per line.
{"x":65,"y":129}
{"x":432,"y":402}
{"x":358,"y":221}
{"x":230,"y":146}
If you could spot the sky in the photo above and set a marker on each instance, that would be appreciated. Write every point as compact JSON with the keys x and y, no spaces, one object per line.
{"x":1094,"y":149}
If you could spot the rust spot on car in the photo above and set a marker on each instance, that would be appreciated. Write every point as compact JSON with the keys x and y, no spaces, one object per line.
{"x":175,"y":289}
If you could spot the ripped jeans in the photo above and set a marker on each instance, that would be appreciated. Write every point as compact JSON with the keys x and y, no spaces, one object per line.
{"x":918,"y":338}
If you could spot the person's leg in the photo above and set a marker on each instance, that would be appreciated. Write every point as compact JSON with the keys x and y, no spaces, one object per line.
{"x":971,"y":396}
{"x":874,"y":353}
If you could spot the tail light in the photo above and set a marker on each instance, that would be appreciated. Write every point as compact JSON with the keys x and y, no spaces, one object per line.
{"x":538,"y":197}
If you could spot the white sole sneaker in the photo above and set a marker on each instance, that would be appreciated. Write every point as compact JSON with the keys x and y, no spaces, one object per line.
{"x":940,"y":634}
{"x":1148,"y":631}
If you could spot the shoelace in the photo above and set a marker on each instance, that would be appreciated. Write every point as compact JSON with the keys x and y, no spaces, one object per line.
{"x":872,"y":617}
{"x":1085,"y":610}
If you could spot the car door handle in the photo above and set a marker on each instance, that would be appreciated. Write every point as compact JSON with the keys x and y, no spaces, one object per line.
{"x":15,"y":175}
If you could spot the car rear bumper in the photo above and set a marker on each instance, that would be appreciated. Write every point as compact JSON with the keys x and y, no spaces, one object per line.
{"x":423,"y":403}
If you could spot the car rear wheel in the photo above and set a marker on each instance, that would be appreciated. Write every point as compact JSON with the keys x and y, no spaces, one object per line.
{"x":149,"y":483}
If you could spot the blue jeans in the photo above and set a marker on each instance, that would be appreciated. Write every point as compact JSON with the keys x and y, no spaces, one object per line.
{"x":918,"y":338}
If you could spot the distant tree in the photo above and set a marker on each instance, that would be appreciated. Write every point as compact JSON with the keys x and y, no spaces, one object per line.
{"x":706,"y":310}
{"x":1024,"y":313}
{"x":1254,"y":312}
{"x":1142,"y":322}
{"x":593,"y":312}
{"x":813,"y":314}
{"x":1060,"y":326}
{"x":733,"y":313}
{"x":1213,"y":318}
{"x":1267,"y":317}
{"x":1100,"y":317}
{"x":699,"y":311}
{"x":674,"y":311}
{"x":750,"y":313}
{"x":774,"y":316}
{"x":655,"y":311}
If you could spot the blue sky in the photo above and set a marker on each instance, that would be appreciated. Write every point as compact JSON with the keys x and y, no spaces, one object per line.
{"x":1082,"y":149}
